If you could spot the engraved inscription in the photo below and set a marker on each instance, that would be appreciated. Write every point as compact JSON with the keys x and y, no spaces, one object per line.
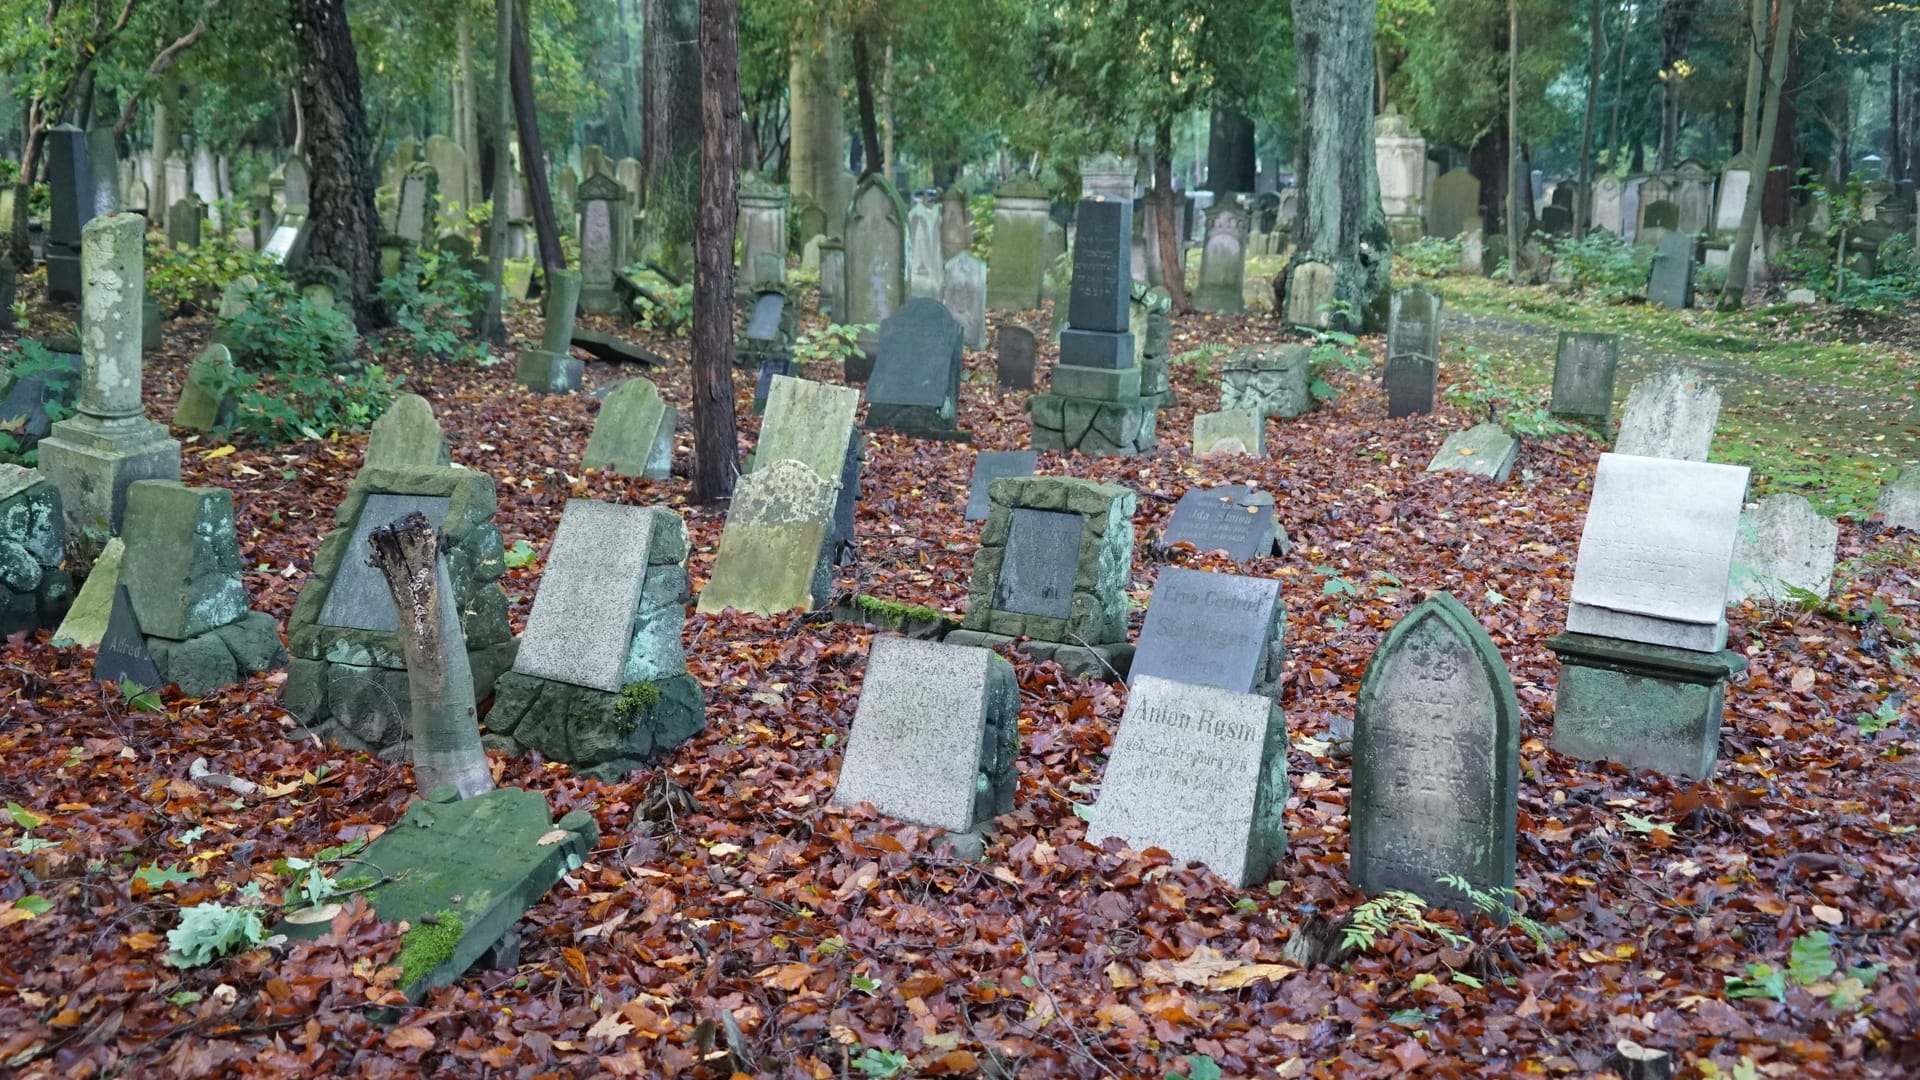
{"x":1041,"y":562}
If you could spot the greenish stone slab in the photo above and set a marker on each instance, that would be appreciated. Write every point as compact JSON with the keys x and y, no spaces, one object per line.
{"x":587,"y":728}
{"x":408,"y":435}
{"x":205,"y":402}
{"x":633,"y":435}
{"x":1484,"y":450}
{"x":182,"y":561}
{"x":86,"y":621}
{"x":1642,"y":706}
{"x":773,"y":553}
{"x":1123,"y":428}
{"x":1096,"y":611}
{"x":1099,"y":384}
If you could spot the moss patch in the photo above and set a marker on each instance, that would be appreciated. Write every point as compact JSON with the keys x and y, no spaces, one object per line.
{"x":428,"y":945}
{"x":635,"y":701}
{"x":893,"y":610}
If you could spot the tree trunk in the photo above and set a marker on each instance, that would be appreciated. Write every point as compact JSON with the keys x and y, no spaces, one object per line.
{"x":1596,"y":57}
{"x":1230,"y":153}
{"x":863,"y":97}
{"x":1340,"y":222}
{"x":715,"y":442}
{"x":670,"y":142}
{"x":539,"y":196}
{"x":1619,"y":90}
{"x":1740,"y":258}
{"x":625,"y":115}
{"x":817,"y":126}
{"x":443,"y":724}
{"x":158,"y":197}
{"x":342,"y":229}
{"x":1676,"y":28}
{"x":1514,"y":179}
{"x":1756,"y":67}
{"x":1173,"y":275}
{"x":886,"y":114}
{"x":492,"y":326}
{"x":467,"y":122}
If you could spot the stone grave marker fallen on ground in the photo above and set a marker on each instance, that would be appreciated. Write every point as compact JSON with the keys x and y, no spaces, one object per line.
{"x":1227,"y":518}
{"x":1484,"y":450}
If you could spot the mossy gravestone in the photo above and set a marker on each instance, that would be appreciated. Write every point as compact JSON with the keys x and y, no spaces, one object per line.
{"x":1229,"y":432}
{"x":600,"y":681}
{"x":1670,"y":414}
{"x":86,"y":621}
{"x":348,"y":679}
{"x":935,"y":736}
{"x":1484,"y":450}
{"x":774,"y":556}
{"x":1436,"y":754}
{"x":813,"y":423}
{"x":1200,"y":773}
{"x":1583,"y":367}
{"x":407,"y":435}
{"x":1899,"y":505}
{"x":34,"y":590}
{"x":460,"y":872}
{"x":633,"y":435}
{"x":205,"y":400}
{"x":1785,"y":547}
{"x":1276,"y":380}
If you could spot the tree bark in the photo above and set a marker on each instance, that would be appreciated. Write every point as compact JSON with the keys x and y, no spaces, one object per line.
{"x":715,"y":442}
{"x":1756,"y":68}
{"x":816,"y":124}
{"x":671,"y":140}
{"x":1676,"y":29}
{"x":1339,"y":220}
{"x":443,"y":723}
{"x":863,"y":97}
{"x":1230,"y":157}
{"x":1740,"y":258}
{"x":492,"y":325}
{"x":1173,"y":274}
{"x":886,"y":114}
{"x":342,"y":229}
{"x":546,"y":226}
{"x":1514,"y":179}
{"x":467,"y":122}
{"x":1596,"y":57}
{"x":1619,"y":89}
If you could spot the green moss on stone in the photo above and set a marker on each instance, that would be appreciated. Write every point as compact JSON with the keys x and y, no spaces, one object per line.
{"x":635,"y":701}
{"x":428,"y":945}
{"x":894,"y":611}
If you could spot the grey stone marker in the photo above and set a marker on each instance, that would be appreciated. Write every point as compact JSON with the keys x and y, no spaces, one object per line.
{"x":1041,"y":563}
{"x":813,"y":423}
{"x":551,"y":368}
{"x":1670,"y":284}
{"x":122,"y":655}
{"x":1413,"y":352}
{"x":915,"y":388}
{"x":71,"y":209}
{"x":935,"y":736}
{"x":359,"y":598}
{"x":582,"y":618}
{"x":926,"y":267}
{"x":205,"y":402}
{"x":1484,"y":450}
{"x":1436,"y":757}
{"x":1017,"y":260}
{"x":991,"y":465}
{"x":1276,"y":380}
{"x":1094,"y":403}
{"x":1583,"y":367}
{"x":1219,"y":630}
{"x":833,"y":280}
{"x":34,"y":590}
{"x":876,"y":253}
{"x":774,"y":555}
{"x":1670,"y":414}
{"x":604,"y":224}
{"x":94,"y":456}
{"x":965,"y":294}
{"x":1014,"y":347}
{"x":1785,"y":545}
{"x":1228,"y":518}
{"x":1223,"y":260}
{"x":1200,"y":773}
{"x":633,"y":435}
{"x":407,"y":434}
{"x":1656,"y":552}
{"x":1899,"y":505}
{"x":1230,"y":431}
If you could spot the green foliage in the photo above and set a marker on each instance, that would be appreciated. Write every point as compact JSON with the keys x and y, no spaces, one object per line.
{"x":191,"y":278}
{"x":1879,"y":720}
{"x":428,"y":945}
{"x":881,"y":1063}
{"x":208,"y":932}
{"x":1389,"y":913}
{"x":635,"y":700}
{"x":311,"y":886}
{"x":833,"y":343}
{"x":894,"y":610}
{"x":1431,"y":256}
{"x":521,"y":555}
{"x":290,"y":381}
{"x":1604,"y":267}
{"x":157,"y":877}
{"x":140,"y":698}
{"x":1199,"y":1067}
{"x":1453,"y":80}
{"x":660,"y":304}
{"x":1498,"y":903}
{"x":1202,"y":359}
{"x":281,"y":330}
{"x":1485,"y":392}
{"x":25,"y":360}
{"x":433,"y":305}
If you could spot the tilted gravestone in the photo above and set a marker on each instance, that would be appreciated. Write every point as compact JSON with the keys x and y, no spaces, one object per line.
{"x":1785,"y":548}
{"x":122,"y":655}
{"x":34,"y":589}
{"x":633,"y":434}
{"x":407,"y":435}
{"x":1219,"y":630}
{"x":1899,"y":505}
{"x":934,"y":737}
{"x":965,"y":295}
{"x":1054,"y":561}
{"x":915,"y":387}
{"x":181,"y":572}
{"x":774,"y":553}
{"x":1484,"y":450}
{"x":1276,"y":380}
{"x":206,"y":400}
{"x":1014,"y":348}
{"x":771,"y":322}
{"x":1583,"y":368}
{"x":600,"y":680}
{"x":812,"y":423}
{"x":1670,"y":284}
{"x":1228,"y":518}
{"x":1229,"y":431}
{"x":926,"y":267}
{"x":1643,"y":662}
{"x":1413,"y":352}
{"x":1455,"y":206}
{"x":991,"y":465}
{"x":1670,"y":414}
{"x":551,"y":368}
{"x":347,"y":681}
{"x":1436,"y":760}
{"x":1201,"y":773}
{"x":86,"y":621}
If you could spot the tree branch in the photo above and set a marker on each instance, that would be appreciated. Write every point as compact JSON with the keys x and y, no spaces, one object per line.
{"x":161,"y":63}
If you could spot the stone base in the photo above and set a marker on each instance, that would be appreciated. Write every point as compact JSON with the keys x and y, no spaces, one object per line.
{"x":365,"y":708}
{"x":1096,"y":348}
{"x":93,"y":464}
{"x":220,"y":657}
{"x":894,"y":620}
{"x":1099,"y":428}
{"x":1110,"y":662}
{"x":1277,"y":380}
{"x":1643,"y":706}
{"x":583,"y":727}
{"x":918,"y":421}
{"x":1096,"y":384}
{"x":546,"y":372}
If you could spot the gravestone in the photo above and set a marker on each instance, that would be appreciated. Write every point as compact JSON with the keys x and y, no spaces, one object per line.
{"x":1275,"y":380}
{"x":1436,"y":759}
{"x":86,"y":621}
{"x":1455,"y":207}
{"x":1732,"y":200}
{"x":1219,"y":630}
{"x":1413,"y":352}
{"x":915,"y":388}
{"x":122,"y":655}
{"x":763,"y":231}
{"x":926,"y":268}
{"x":1484,"y":450}
{"x":295,"y":184}
{"x":70,"y":209}
{"x":1785,"y":548}
{"x":414,"y":215}
{"x":1670,"y":414}
{"x":934,"y":737}
{"x":551,"y":368}
{"x":771,"y":321}
{"x":604,"y":224}
{"x":347,"y":682}
{"x":1229,"y":431}
{"x":965,"y":295}
{"x":206,"y":400}
{"x":1670,"y":284}
{"x":1400,"y":162}
{"x":1583,"y":367}
{"x":1693,"y":197}
{"x":991,"y":465}
{"x":774,"y":553}
{"x":1223,"y":261}
{"x":1608,"y":211}
{"x":770,"y":368}
{"x":833,"y":281}
{"x":633,"y":434}
{"x":1227,"y":518}
{"x":1899,"y":505}
{"x":876,"y":254}
{"x":407,"y":434}
{"x":452,"y":175}
{"x":184,"y":220}
{"x":1017,"y":260}
{"x":1310,"y":296}
{"x":605,"y":626}
{"x":1658,"y":217}
{"x":956,"y":227}
{"x":1054,"y":560}
{"x":813,"y":423}
{"x":1094,"y":403}
{"x":287,"y":244}
{"x":1014,"y":348}
{"x":34,"y":589}
{"x":1201,"y":773}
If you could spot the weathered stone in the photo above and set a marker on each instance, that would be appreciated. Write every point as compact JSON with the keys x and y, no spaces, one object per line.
{"x":1275,"y":380}
{"x":773,"y":553}
{"x":602,"y":734}
{"x":407,"y":435}
{"x":1785,"y":548}
{"x":915,"y":387}
{"x":1097,"y":428}
{"x":86,"y":620}
{"x":1218,"y":630}
{"x":1223,"y":261}
{"x":1055,"y":557}
{"x":1413,"y":352}
{"x":1102,"y":283}
{"x":34,"y":590}
{"x":582,"y":618}
{"x":1436,"y":756}
{"x":1670,"y":284}
{"x":1310,"y":295}
{"x":876,"y":253}
{"x":1670,"y":414}
{"x":956,"y":227}
{"x":1899,"y":505}
{"x":1017,"y":260}
{"x":1014,"y":347}
{"x":991,"y":465}
{"x":763,"y":230}
{"x":926,"y":267}
{"x":1455,"y":206}
{"x":1482,"y":450}
{"x":964,"y":292}
{"x":1643,"y":706}
{"x":813,"y":423}
{"x":1227,"y":518}
{"x":1229,"y":431}
{"x":182,"y":563}
{"x":1583,"y":367}
{"x":205,"y":400}
{"x":633,"y":435}
{"x":605,"y":224}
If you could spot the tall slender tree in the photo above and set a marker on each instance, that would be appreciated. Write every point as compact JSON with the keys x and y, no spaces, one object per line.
{"x":715,"y":440}
{"x":1740,"y":259}
{"x":670,"y":145}
{"x":1339,"y":221}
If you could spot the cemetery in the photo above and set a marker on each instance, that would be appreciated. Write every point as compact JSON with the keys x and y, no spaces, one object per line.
{"x":691,"y":539}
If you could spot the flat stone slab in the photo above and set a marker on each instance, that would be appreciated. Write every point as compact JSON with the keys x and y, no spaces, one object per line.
{"x":772,"y":556}
{"x":1228,"y":518}
{"x":991,"y":465}
{"x":613,"y":350}
{"x":582,"y":618}
{"x":1042,"y":561}
{"x":359,"y":598}
{"x":1484,"y":450}
{"x":1219,"y":630}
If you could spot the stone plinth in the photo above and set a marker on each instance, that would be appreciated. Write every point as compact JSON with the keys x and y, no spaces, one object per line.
{"x":1643,"y":706}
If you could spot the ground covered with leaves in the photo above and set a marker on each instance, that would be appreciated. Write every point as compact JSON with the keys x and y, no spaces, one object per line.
{"x":731,"y":922}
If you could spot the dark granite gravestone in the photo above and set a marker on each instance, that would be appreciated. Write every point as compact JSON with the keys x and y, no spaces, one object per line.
{"x":1214,"y":630}
{"x":1411,"y":383}
{"x":1670,"y":284}
{"x":360,"y":599}
{"x":28,"y":397}
{"x":769,"y":367}
{"x":1014,"y":346}
{"x":1436,"y":754}
{"x":990,"y":465}
{"x":1102,"y":271}
{"x":1041,"y":563}
{"x":1227,"y":518}
{"x":915,"y":386}
{"x":1413,"y":352}
{"x":123,"y":651}
{"x":70,"y":188}
{"x":1583,"y":368}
